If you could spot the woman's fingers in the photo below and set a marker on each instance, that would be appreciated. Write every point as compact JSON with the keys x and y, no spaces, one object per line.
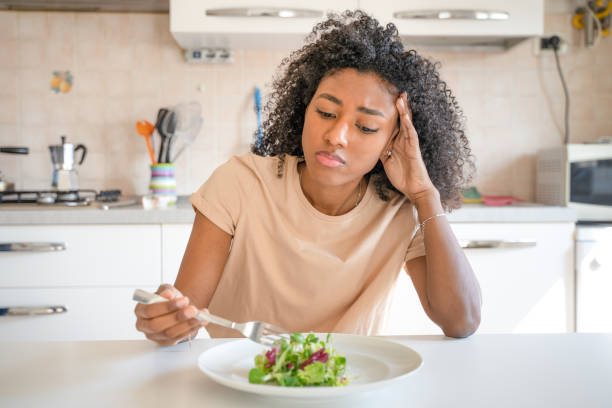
{"x":149,"y":311}
{"x":407,"y":128}
{"x":159,"y":324}
{"x":182,"y":328}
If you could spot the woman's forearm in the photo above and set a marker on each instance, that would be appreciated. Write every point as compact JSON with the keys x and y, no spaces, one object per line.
{"x":453,"y":292}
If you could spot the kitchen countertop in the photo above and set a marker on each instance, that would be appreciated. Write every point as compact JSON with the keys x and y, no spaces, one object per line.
{"x":182,"y":213}
{"x":498,"y":370}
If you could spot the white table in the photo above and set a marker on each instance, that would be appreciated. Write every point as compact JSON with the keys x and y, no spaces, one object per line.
{"x":550,"y":370}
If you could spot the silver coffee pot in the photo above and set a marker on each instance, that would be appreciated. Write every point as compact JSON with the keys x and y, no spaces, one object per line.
{"x":65,"y":175}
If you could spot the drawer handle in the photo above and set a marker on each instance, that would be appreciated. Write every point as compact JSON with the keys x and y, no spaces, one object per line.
{"x":32,"y":310}
{"x":484,"y":244}
{"x":263,"y":12}
{"x":32,"y":246}
{"x":481,"y":15}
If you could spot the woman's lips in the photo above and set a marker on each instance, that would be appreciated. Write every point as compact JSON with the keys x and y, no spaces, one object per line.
{"x":329,"y":159}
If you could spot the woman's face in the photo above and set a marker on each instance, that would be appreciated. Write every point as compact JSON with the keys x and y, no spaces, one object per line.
{"x":348,"y":123}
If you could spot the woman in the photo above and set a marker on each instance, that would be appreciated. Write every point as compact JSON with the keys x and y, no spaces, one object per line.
{"x":362,"y":152}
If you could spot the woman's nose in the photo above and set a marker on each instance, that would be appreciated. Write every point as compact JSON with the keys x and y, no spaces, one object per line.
{"x":337,"y":135}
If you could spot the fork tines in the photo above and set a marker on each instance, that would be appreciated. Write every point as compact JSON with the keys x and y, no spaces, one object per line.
{"x":271,"y":334}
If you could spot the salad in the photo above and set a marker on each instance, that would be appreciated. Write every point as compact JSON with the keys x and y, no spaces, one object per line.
{"x":298,"y":362}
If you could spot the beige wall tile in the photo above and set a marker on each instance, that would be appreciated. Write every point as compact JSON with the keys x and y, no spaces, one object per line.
{"x":8,"y":53}
{"x":32,"y":25}
{"x":89,"y":27}
{"x":121,"y":56}
{"x":91,"y":110}
{"x":91,"y":55}
{"x":89,"y":83}
{"x":92,"y":136}
{"x":145,"y":83}
{"x":147,"y":56}
{"x":10,"y":135}
{"x":118,"y":111}
{"x":59,"y":54}
{"x":35,"y":81}
{"x":9,"y":81}
{"x":36,"y":169}
{"x":115,"y":28}
{"x":9,"y":109}
{"x":93,"y":168}
{"x":145,"y":108}
{"x":62,"y":109}
{"x":143,"y":28}
{"x":36,"y":139}
{"x":8,"y":24}
{"x":117,"y":83}
{"x":31,"y":54}
{"x":61,"y":26}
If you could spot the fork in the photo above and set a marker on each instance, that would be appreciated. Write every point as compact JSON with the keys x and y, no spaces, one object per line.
{"x":259,"y":332}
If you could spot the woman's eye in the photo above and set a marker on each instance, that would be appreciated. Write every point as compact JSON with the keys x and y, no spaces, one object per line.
{"x":366,"y":129}
{"x":325,"y":114}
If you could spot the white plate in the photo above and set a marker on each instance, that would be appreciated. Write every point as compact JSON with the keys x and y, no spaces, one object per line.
{"x":372,"y":363}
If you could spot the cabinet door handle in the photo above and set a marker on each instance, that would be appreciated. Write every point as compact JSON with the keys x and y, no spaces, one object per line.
{"x":32,"y":246}
{"x":453,"y":14}
{"x":32,"y":310}
{"x":483,"y":244}
{"x":282,"y":12}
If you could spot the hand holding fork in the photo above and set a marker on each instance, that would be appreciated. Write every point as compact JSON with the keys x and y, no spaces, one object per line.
{"x":184,"y":315}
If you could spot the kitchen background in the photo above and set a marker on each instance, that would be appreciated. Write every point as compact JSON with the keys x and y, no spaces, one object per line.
{"x":125,"y":66}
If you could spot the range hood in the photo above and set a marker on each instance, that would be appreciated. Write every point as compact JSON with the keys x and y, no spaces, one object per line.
{"x":148,"y":6}
{"x":472,"y":25}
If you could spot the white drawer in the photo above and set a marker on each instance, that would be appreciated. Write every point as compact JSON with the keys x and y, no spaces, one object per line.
{"x":92,"y":314}
{"x":95,"y":255}
{"x":524,"y":289}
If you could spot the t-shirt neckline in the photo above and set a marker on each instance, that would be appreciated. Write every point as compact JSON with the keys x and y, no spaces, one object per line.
{"x":295,"y":180}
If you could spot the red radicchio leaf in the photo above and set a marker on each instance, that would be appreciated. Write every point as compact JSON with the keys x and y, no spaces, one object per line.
{"x":271,"y":356}
{"x":319,"y":355}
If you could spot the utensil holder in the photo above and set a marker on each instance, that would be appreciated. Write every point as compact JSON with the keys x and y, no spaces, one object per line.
{"x":163,"y":184}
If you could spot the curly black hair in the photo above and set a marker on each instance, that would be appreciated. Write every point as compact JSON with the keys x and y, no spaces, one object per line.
{"x":355,"y":40}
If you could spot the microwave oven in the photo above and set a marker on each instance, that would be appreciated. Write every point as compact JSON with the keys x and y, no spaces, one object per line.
{"x":578,"y":176}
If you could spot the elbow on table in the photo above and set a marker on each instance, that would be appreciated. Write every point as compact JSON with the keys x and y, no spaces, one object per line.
{"x":462,"y":329}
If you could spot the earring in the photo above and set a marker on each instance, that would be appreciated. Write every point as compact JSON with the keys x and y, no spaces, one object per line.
{"x":388,"y":153}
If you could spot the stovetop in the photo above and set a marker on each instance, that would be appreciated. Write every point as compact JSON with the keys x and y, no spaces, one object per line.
{"x":70,"y":198}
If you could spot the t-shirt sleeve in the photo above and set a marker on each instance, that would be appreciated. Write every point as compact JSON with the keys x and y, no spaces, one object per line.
{"x":221,"y":197}
{"x":416,"y":248}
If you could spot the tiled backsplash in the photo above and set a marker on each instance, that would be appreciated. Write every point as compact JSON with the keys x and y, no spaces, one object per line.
{"x":126,"y":66}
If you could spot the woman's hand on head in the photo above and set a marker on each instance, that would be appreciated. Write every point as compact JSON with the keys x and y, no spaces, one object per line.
{"x":404,"y":165}
{"x":168,"y":323}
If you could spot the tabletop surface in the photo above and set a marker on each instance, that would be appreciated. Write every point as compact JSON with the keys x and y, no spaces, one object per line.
{"x":497,"y":370}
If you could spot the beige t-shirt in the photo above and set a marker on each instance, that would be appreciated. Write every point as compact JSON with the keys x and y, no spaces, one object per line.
{"x":295,"y":267}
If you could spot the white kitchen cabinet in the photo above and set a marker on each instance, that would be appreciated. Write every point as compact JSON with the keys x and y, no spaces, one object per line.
{"x":193,"y":26}
{"x":439,"y":18}
{"x":174,"y":242}
{"x":94,"y":313}
{"x":524,"y":290}
{"x":94,"y":278}
{"x":594,"y":278}
{"x":94,"y":255}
